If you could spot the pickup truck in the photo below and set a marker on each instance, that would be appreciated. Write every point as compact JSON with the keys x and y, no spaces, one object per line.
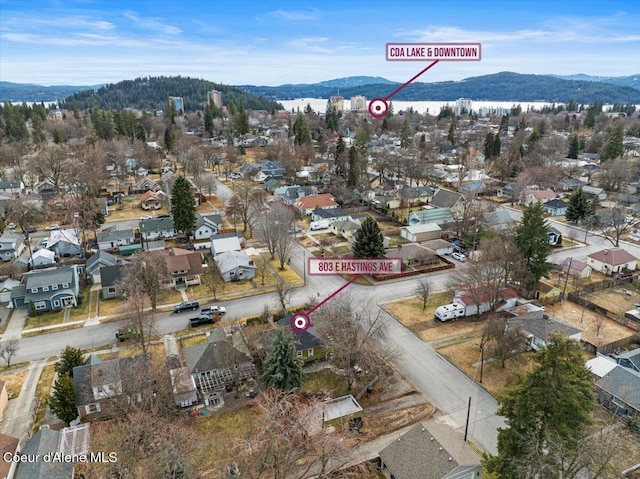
{"x":202,"y":319}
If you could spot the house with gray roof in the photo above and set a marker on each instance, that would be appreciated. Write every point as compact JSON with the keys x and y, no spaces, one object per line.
{"x":346,"y":228}
{"x":50,"y":289}
{"x":41,"y":257}
{"x":65,"y":242}
{"x":111,"y":280}
{"x":430,"y":451}
{"x":619,"y":390}
{"x":537,"y":327}
{"x":115,"y":236}
{"x":629,"y":359}
{"x":206,"y":226}
{"x":11,"y":245}
{"x":101,"y":385}
{"x":309,"y":345}
{"x":97,"y":261}
{"x":330,"y":214}
{"x":157,"y":228}
{"x":448,"y":199}
{"x":43,"y":442}
{"x":223,"y":243}
{"x":500,"y":219}
{"x":555,"y":207}
{"x":11,"y":189}
{"x":235,"y":266}
{"x":221,"y":362}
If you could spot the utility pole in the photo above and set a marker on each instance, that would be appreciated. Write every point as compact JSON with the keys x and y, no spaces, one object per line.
{"x":466,"y":426}
{"x":566,"y":279}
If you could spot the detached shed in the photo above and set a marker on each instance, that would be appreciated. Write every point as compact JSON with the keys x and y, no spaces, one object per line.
{"x":421,"y":232}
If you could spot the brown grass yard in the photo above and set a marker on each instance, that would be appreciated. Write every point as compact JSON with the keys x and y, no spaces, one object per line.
{"x":107,"y":307}
{"x":587,"y":321}
{"x":42,"y":390}
{"x":618,"y":299}
{"x":43,"y":319}
{"x":327,"y":381}
{"x":14,"y":380}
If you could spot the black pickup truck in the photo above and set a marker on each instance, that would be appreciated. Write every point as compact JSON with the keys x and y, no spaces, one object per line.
{"x":202,"y":319}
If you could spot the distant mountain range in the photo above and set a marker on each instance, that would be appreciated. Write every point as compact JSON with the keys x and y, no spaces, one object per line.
{"x":632,"y":80}
{"x":504,"y":86}
{"x":29,"y":92}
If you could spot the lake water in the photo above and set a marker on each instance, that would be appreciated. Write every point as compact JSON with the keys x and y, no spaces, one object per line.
{"x":431,"y":107}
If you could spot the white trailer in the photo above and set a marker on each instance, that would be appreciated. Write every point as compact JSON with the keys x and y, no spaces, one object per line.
{"x":447,"y":312}
{"x":319,"y":225}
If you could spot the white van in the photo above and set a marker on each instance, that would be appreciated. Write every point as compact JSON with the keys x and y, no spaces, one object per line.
{"x":319,"y":225}
{"x":448,"y":312}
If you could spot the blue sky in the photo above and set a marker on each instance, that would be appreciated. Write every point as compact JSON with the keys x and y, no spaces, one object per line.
{"x":266,"y":42}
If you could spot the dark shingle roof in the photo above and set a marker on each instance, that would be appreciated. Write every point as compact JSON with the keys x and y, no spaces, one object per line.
{"x":445,"y":198}
{"x":43,"y":442}
{"x":304,"y":340}
{"x":111,"y":275}
{"x":212,"y":355}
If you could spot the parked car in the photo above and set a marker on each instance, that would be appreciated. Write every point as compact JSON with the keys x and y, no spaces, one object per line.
{"x":52,"y":227}
{"x":294,"y":229}
{"x":11,"y":226}
{"x":32,"y":229}
{"x":211,"y":310}
{"x":459,"y":256}
{"x":186,"y":306}
{"x":45,"y":242}
{"x":235,"y":175}
{"x":164,"y":215}
{"x":146,"y":217}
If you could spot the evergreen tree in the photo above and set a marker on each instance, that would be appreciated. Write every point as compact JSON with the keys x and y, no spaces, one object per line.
{"x":368,"y":241}
{"x":579,"y":206}
{"x":352,"y":177}
{"x":451,"y":135}
{"x":170,"y":112}
{"x":183,"y":208}
{"x":574,"y":146}
{"x":551,"y":403}
{"x":241,"y":120}
{"x":282,"y":369}
{"x":532,"y":239}
{"x":57,"y":137}
{"x":70,"y":357}
{"x":62,"y":400}
{"x":331,"y":117}
{"x":301,"y":131}
{"x":590,"y":119}
{"x":169,"y":140}
{"x":504,"y":125}
{"x":208,"y":120}
{"x":613,"y":147}
{"x":405,"y":141}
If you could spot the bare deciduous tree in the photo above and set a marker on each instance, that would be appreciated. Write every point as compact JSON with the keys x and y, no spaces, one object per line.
{"x":355,"y":338}
{"x":506,"y":342}
{"x":283,"y":294}
{"x":423,"y":288}
{"x":8,"y":349}
{"x":213,"y":279}
{"x":146,"y":273}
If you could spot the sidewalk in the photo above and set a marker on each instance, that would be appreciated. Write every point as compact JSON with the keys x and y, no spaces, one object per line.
{"x":20,"y":411}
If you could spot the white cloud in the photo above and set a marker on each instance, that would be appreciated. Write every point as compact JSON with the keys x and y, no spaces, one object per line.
{"x":152,"y":23}
{"x":296,"y":15}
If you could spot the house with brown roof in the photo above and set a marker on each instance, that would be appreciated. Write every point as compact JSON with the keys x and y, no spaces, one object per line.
{"x":478,"y":299}
{"x":151,"y":200}
{"x":610,"y":261}
{"x":306,"y":204}
{"x":184,"y":267}
{"x":531,"y":196}
{"x":8,"y":444}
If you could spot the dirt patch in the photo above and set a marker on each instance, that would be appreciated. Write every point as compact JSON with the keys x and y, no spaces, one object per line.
{"x":14,"y":381}
{"x":376,"y":425}
{"x":596,"y":329}
{"x":618,"y":299}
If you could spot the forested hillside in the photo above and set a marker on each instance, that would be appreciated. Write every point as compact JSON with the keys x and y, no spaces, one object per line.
{"x":152,"y":93}
{"x":505,"y":86}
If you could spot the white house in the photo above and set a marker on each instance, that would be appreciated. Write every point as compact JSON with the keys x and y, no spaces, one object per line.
{"x":207,"y":226}
{"x":611,"y":261}
{"x":235,"y":266}
{"x":42,"y":257}
{"x":221,"y":245}
{"x":11,"y":245}
{"x":538,"y":326}
{"x":421,"y":232}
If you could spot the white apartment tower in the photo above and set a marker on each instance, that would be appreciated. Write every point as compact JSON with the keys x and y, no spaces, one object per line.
{"x":337,"y":102}
{"x":463,"y":105}
{"x":358,"y":103}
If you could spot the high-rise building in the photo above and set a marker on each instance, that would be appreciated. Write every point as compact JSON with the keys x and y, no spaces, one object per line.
{"x":178,"y":102}
{"x":215,"y":97}
{"x":337,"y":102}
{"x":358,"y":103}
{"x":463,"y":105}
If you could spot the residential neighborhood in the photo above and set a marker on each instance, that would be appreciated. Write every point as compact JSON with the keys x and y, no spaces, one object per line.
{"x":120,"y":262}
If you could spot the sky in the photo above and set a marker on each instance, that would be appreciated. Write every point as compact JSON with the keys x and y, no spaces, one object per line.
{"x":268,"y":42}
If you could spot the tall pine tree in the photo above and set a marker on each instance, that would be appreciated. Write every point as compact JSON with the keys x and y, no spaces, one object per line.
{"x":62,"y":400}
{"x":579,"y":206}
{"x":548,"y":406}
{"x":282,"y":369}
{"x":183,"y":207}
{"x":368,"y":241}
{"x":532,"y":239}
{"x":574,"y":147}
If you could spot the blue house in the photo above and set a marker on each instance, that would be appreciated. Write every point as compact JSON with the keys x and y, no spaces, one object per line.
{"x":50,"y":289}
{"x":555,"y":207}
